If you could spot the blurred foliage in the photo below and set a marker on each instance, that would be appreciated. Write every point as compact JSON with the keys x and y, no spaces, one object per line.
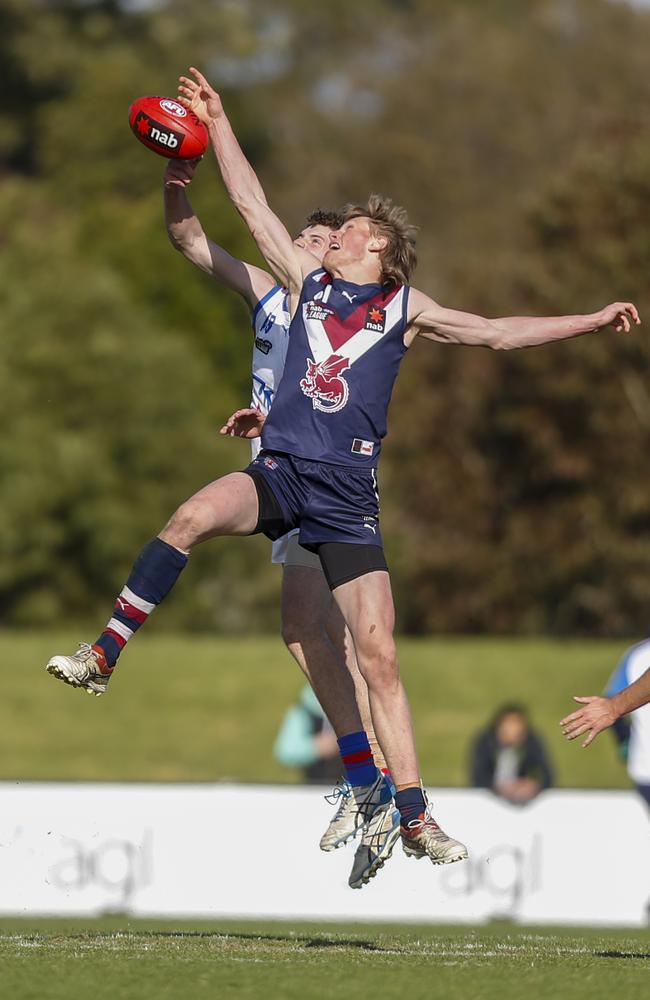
{"x":515,"y":497}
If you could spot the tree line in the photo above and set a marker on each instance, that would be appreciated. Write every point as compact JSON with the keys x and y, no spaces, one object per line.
{"x":515,"y":496}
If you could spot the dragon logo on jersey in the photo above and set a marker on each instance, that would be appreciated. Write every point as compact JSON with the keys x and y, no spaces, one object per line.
{"x":324,"y":385}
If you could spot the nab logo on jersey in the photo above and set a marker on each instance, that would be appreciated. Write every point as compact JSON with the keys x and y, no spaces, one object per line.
{"x":316,"y":310}
{"x":323,"y":383}
{"x":375,"y":319}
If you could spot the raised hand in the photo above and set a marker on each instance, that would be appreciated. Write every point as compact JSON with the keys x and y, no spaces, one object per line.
{"x":179,"y":173}
{"x":620,"y":315}
{"x":246,"y":423}
{"x":198,"y":96}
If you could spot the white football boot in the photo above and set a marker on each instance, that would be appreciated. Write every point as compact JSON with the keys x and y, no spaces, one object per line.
{"x":85,"y":669}
{"x":423,"y":838}
{"x":377,"y":842}
{"x":357,"y":806}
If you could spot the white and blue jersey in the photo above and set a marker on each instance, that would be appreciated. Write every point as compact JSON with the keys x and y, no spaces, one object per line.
{"x":271,"y":321}
{"x":346,"y":343}
{"x":634,"y":663}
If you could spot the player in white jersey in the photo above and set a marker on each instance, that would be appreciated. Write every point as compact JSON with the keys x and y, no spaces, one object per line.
{"x":626,"y":708}
{"x":312,"y":626}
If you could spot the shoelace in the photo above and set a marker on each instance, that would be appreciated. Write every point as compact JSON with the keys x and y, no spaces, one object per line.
{"x":84,"y":653}
{"x":341,"y":794}
{"x":427,"y":820}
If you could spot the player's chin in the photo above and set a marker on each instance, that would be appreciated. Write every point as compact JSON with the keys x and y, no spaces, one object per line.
{"x":330,"y":256}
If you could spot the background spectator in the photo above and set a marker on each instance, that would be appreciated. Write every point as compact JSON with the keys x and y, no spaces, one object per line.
{"x":509,"y":757}
{"x":307,"y":740}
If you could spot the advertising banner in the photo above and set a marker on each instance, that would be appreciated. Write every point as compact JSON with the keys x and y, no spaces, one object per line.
{"x":570,"y":857}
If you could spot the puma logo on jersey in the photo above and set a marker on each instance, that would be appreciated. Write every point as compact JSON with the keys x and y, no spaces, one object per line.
{"x":349,"y":297}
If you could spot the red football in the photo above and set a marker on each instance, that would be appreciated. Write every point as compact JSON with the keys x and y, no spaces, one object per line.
{"x":168,"y":128}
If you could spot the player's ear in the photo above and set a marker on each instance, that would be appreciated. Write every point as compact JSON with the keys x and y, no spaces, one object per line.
{"x":377,"y":244}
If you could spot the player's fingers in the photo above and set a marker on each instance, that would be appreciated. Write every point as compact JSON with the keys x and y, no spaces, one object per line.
{"x":578,"y":729}
{"x":584,"y":699}
{"x":590,"y":738}
{"x":633,"y":311}
{"x":199,"y":76}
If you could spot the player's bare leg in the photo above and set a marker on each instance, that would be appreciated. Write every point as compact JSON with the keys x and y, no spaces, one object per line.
{"x":379,"y":837}
{"x":315,"y":637}
{"x":342,"y":640}
{"x":367,"y":606}
{"x":306,"y":604}
{"x":228,"y":506}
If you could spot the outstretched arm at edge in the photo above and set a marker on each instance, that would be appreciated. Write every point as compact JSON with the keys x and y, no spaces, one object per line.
{"x":435,"y":322}
{"x":187,"y":235}
{"x":243,"y":186}
{"x":599,"y":713}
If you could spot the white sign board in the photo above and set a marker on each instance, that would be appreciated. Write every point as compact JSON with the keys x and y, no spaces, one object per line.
{"x":571,"y":857}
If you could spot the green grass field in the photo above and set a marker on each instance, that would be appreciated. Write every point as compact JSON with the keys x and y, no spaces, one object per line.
{"x":144,"y":960}
{"x":199,"y":708}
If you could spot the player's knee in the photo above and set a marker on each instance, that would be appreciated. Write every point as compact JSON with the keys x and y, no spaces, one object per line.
{"x":187,"y":525}
{"x":299,"y":629}
{"x":379,"y":666}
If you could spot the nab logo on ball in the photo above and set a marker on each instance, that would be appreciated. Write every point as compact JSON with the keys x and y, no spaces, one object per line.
{"x":168,"y":128}
{"x":155,"y":132}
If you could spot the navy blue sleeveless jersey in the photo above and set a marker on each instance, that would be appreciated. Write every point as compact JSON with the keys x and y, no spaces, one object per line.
{"x":346,"y":343}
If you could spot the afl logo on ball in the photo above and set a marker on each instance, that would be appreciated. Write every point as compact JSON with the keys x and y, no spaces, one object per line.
{"x":172,"y":108}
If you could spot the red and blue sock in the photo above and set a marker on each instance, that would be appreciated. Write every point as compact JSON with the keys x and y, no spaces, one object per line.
{"x":154,"y":573}
{"x":357,"y":758}
{"x":411,"y":804}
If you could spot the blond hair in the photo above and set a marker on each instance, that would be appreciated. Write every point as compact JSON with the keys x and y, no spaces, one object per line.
{"x":398,"y":259}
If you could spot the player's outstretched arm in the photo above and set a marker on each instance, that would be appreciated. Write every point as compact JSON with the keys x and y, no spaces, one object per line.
{"x":435,"y":322}
{"x":241,"y":181}
{"x":188,"y":236}
{"x":600,"y":713}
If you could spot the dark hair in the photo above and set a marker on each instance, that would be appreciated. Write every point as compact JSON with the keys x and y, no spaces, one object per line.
{"x":510,"y":708}
{"x":325,"y":217}
{"x":399,"y":259}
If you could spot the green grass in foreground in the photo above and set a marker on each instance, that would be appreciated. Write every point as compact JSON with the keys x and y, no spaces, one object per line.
{"x":143,"y":960}
{"x":197,"y":708}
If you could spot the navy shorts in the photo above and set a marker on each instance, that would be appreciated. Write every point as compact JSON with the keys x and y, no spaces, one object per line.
{"x":329,"y":503}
